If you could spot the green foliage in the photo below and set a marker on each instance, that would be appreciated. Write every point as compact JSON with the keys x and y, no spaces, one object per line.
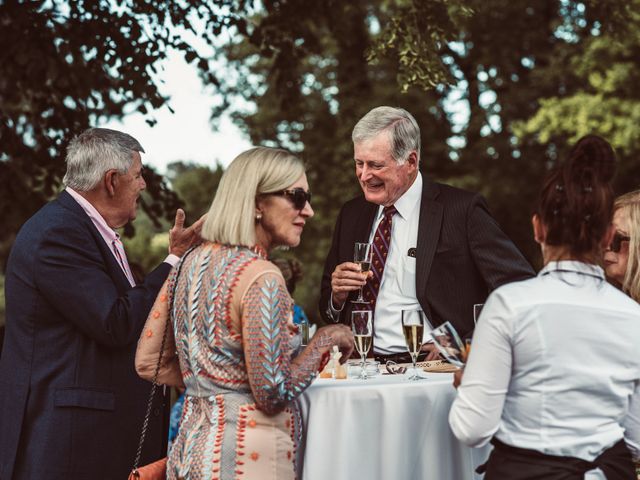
{"x":303,"y":67}
{"x":66,"y":64}
{"x":149,"y":246}
{"x":570,"y":118}
{"x":415,"y":36}
{"x":603,"y":97}
{"x":195,"y":186}
{"x":499,"y":88}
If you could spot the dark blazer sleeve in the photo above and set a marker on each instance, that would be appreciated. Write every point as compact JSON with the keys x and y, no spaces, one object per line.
{"x":494,"y":254}
{"x":76,"y":281}
{"x":353,"y":225}
{"x":331,"y":262}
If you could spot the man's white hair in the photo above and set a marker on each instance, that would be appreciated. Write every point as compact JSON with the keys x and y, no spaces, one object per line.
{"x":404,"y":133}
{"x":95,"y":151}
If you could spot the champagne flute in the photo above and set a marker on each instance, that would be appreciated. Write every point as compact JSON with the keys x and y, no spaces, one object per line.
{"x":362,"y":256}
{"x":446,"y":339}
{"x":413,"y":329}
{"x":362,"y":333}
{"x":477,"y":308}
{"x":304,"y":331}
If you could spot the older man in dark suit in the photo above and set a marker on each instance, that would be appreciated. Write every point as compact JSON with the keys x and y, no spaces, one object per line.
{"x":436,"y":247}
{"x":71,"y":404}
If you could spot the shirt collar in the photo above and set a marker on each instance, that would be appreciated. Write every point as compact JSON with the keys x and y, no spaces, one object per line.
{"x":407,"y":202}
{"x":100,"y":223}
{"x":573,"y":266}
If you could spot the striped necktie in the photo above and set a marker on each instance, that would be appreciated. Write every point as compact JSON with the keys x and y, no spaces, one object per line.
{"x":121,"y":256}
{"x":381,"y":241}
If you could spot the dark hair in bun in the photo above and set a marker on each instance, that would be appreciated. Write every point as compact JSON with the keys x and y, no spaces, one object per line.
{"x":576,"y":200}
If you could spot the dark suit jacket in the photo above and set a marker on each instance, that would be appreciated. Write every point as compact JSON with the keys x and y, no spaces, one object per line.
{"x":71,"y":404}
{"x":461,"y":253}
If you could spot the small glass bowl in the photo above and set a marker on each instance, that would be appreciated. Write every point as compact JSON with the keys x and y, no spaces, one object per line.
{"x":353,"y":368}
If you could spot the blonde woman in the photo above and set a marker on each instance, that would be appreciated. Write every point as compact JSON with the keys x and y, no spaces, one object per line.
{"x":622,"y":258}
{"x":231,"y":317}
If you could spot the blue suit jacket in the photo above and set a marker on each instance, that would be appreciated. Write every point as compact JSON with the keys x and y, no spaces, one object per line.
{"x":71,"y":404}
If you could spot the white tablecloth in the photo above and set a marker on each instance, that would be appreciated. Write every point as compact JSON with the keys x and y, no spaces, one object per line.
{"x":383,"y":428}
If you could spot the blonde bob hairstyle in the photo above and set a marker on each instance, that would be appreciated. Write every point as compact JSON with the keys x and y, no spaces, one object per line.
{"x":231,"y":218}
{"x":630,"y":204}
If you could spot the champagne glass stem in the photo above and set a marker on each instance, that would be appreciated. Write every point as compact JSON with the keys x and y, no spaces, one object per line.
{"x":363,"y":366}
{"x":414,"y":359}
{"x":360,"y":298}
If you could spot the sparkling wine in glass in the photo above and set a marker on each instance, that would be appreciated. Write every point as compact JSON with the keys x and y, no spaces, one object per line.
{"x":304,"y":332}
{"x":413,"y":328}
{"x":446,"y":339}
{"x":362,"y":256}
{"x":363,"y":335}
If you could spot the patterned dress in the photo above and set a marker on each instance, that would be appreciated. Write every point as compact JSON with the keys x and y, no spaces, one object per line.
{"x":231,"y":312}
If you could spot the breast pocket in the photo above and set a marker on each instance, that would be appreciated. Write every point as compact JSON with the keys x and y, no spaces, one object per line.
{"x":408,"y":276}
{"x":94,"y":399}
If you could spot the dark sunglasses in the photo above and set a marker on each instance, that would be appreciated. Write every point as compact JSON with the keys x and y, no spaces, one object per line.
{"x":616,"y":243}
{"x":298,"y":196}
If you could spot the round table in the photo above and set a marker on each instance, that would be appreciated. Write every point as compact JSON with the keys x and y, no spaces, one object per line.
{"x":383,"y":428}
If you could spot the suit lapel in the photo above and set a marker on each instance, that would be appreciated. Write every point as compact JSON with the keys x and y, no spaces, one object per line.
{"x":359,"y":231}
{"x":111,"y":264}
{"x":364,"y":222}
{"x":429,"y":227}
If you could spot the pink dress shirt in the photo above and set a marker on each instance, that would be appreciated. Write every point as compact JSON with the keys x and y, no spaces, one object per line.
{"x":110,"y":237}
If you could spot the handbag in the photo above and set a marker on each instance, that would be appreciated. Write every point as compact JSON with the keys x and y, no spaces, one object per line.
{"x":150,"y":346}
{"x":156,"y":470}
{"x":153,"y":471}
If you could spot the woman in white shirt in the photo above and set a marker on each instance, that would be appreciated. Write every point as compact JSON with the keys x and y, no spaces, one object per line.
{"x":553,"y":378}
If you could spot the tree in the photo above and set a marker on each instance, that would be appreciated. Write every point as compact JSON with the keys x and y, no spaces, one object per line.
{"x":604,"y":99}
{"x":499,"y":88}
{"x":311,"y":70}
{"x":303,"y":68}
{"x":66,"y":64}
{"x":195,"y":185}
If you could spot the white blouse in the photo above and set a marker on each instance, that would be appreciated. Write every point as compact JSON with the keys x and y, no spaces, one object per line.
{"x":554,"y":366}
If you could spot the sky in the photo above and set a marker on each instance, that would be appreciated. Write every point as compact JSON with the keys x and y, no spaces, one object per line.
{"x":186,"y":134}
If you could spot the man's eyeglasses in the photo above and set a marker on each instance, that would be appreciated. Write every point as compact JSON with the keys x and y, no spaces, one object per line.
{"x":616,"y":243}
{"x":298,"y":196}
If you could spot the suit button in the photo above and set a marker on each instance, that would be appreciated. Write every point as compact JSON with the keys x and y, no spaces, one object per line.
{"x":156,"y":412}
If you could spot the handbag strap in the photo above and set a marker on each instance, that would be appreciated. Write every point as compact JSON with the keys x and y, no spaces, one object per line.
{"x":154,"y":387}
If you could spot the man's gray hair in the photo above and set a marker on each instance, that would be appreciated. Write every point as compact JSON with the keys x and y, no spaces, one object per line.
{"x":95,"y":151}
{"x":403,"y":129}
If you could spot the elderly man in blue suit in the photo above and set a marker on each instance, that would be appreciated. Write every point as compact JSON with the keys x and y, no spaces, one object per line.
{"x":71,"y":404}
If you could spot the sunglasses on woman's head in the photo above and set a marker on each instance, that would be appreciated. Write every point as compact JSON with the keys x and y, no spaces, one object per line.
{"x":616,"y":242}
{"x":298,"y":196}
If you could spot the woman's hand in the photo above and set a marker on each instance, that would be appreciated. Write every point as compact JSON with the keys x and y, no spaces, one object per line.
{"x":341,"y":336}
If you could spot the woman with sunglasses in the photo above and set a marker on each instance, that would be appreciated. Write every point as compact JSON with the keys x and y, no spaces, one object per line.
{"x":622,"y":258}
{"x":553,"y":378}
{"x":232,"y":318}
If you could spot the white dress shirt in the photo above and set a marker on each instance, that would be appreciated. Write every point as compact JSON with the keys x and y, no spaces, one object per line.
{"x":398,"y":287}
{"x":554,"y":366}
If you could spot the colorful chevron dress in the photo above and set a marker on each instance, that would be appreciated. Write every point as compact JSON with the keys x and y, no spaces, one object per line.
{"x":231,"y":313}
